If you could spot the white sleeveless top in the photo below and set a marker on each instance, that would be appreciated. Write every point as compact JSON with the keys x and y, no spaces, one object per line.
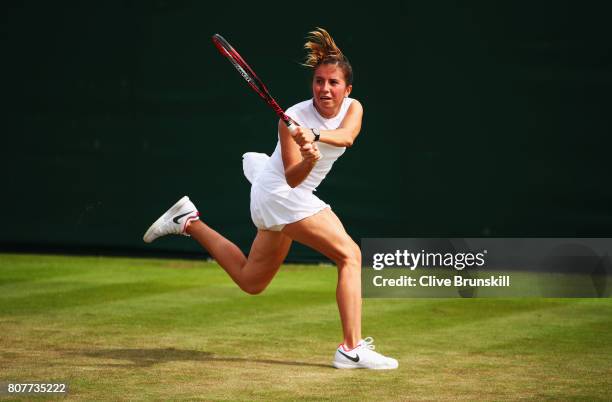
{"x":273,"y":202}
{"x":306,"y":115}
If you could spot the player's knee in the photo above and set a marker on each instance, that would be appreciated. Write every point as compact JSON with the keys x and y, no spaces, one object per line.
{"x":350,"y":256}
{"x":254,"y":288}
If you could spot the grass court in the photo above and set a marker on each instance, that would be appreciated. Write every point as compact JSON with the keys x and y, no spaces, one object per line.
{"x":142,"y":329}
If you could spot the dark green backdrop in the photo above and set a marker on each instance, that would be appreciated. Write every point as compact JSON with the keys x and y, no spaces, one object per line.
{"x":480,"y":119}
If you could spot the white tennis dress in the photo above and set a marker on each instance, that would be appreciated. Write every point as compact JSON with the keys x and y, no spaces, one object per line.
{"x":273,"y":202}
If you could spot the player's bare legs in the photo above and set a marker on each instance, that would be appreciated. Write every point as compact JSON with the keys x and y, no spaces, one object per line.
{"x":253,"y":273}
{"x":324,"y":232}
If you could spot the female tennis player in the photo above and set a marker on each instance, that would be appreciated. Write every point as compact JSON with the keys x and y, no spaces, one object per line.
{"x":284,"y":208}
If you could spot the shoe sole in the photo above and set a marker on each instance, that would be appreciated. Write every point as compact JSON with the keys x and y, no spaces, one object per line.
{"x":173,"y":209}
{"x":340,"y":365}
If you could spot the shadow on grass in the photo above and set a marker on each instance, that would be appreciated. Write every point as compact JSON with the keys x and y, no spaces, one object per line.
{"x":151,"y":357}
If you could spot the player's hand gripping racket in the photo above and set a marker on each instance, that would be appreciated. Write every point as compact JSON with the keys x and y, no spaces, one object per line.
{"x":251,"y":78}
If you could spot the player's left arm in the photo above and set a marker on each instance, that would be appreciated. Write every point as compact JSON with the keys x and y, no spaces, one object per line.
{"x":343,"y":136}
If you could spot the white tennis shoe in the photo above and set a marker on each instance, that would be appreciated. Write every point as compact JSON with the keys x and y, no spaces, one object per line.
{"x":173,"y":221}
{"x":362,"y":356}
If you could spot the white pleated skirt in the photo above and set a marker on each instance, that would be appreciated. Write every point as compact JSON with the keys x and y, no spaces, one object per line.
{"x":274,"y":203}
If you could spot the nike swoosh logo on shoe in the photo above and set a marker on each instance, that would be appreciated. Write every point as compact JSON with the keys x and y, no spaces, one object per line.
{"x":355,"y":359}
{"x":176,"y":218}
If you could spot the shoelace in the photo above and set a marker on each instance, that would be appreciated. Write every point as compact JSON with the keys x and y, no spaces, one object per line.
{"x":369,"y":343}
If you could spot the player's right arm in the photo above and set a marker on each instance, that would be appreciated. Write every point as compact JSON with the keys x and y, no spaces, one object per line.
{"x":343,"y":136}
{"x":298,"y":161}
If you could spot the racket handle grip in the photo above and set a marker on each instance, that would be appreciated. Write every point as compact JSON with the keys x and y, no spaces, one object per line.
{"x":291,"y":127}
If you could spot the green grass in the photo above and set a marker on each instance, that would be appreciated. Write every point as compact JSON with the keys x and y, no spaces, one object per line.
{"x":136,"y":329}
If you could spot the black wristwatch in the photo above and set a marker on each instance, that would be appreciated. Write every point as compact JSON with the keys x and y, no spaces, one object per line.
{"x":316,"y":133}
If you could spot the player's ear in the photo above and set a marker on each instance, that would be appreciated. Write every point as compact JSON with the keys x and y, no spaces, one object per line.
{"x":348,"y":90}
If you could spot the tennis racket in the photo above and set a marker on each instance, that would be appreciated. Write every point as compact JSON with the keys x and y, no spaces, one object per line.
{"x":251,"y":78}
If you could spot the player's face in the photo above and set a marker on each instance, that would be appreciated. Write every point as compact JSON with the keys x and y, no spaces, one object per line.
{"x":329,"y":89}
